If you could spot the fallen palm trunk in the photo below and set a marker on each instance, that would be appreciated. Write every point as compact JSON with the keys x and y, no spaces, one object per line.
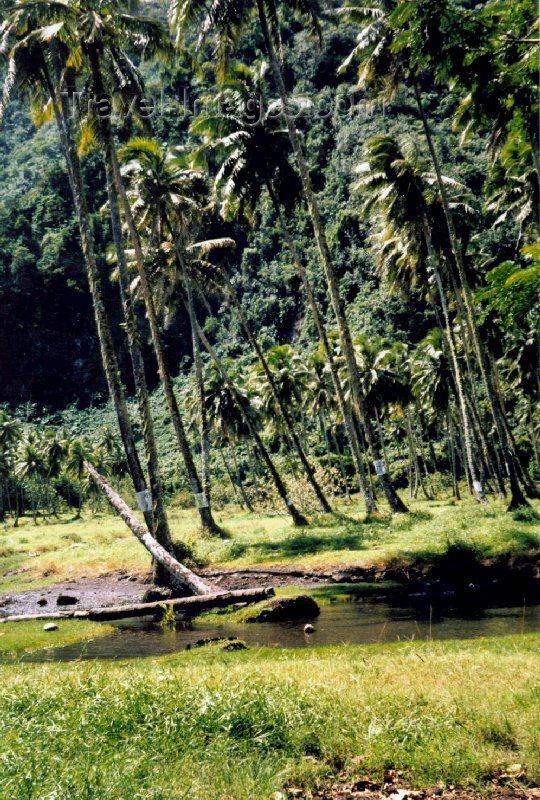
{"x":191,"y":605}
{"x":182,"y":574}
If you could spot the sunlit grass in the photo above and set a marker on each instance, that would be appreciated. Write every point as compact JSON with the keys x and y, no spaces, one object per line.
{"x":68,"y":548}
{"x":209,"y":725}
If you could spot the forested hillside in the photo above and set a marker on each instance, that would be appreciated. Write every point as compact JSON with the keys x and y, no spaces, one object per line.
{"x":363,"y":267}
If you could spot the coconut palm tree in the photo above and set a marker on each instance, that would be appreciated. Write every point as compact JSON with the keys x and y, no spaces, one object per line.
{"x":32,"y":47}
{"x":396,"y":192}
{"x":170,"y":193}
{"x":252,"y":155}
{"x":387,"y":49}
{"x":225,"y":21}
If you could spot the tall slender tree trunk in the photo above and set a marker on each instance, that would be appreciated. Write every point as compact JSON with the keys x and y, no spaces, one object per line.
{"x":108,"y":355}
{"x":414,"y":454}
{"x":451,"y":447}
{"x":289,"y":425}
{"x":517,"y":496}
{"x":205,"y":513}
{"x":344,"y":410}
{"x":477,"y":486}
{"x":296,"y":516}
{"x":243,"y":491}
{"x":395,"y":502}
{"x":161,"y":525}
{"x":197,"y":363}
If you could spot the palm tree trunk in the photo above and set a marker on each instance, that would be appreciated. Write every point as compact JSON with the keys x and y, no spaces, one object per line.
{"x":418,"y":472}
{"x":161,"y":526}
{"x":197,"y":362}
{"x":289,"y":425}
{"x":395,"y":502}
{"x":477,"y":486}
{"x":177,"y":570}
{"x":241,"y":486}
{"x":296,"y":516}
{"x":108,"y":355}
{"x":452,"y":449}
{"x":346,"y":416}
{"x":229,"y":474}
{"x":207,"y":521}
{"x":517,"y":497}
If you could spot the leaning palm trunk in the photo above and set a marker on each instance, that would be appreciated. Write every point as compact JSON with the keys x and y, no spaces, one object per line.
{"x":108,"y":355}
{"x":395,"y":502}
{"x":456,"y":371}
{"x":203,"y":422}
{"x":289,"y":425}
{"x":207,"y":520}
{"x":161,"y":525}
{"x":517,"y":496}
{"x":346,"y":416}
{"x":176,"y":570}
{"x":296,"y":516}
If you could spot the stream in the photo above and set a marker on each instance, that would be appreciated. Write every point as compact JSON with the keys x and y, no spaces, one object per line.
{"x":351,"y":619}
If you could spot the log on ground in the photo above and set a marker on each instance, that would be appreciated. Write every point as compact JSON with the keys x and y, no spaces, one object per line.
{"x":190,"y":605}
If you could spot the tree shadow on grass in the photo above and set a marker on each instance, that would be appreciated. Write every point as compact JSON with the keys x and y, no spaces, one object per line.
{"x":308,"y":544}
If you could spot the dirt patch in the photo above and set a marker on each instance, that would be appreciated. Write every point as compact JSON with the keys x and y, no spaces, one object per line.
{"x":447,"y":574}
{"x":460,"y":575}
{"x":399,"y":793}
{"x":115,"y":588}
{"x":393,"y":789}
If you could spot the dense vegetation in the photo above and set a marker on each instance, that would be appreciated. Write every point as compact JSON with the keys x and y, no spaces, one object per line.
{"x":345,"y":298}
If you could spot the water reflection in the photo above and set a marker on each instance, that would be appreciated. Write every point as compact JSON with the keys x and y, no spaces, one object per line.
{"x":351,"y":620}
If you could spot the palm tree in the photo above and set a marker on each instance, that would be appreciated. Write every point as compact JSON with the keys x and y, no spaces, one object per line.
{"x":384,"y":49}
{"x":254,"y":155}
{"x":397,"y":193}
{"x":98,"y":33}
{"x":163,"y":184}
{"x":30,"y":69}
{"x":226,"y":20}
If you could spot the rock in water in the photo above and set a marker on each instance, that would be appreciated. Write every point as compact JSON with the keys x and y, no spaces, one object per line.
{"x":42,"y":601}
{"x":309,"y":628}
{"x":287,"y":609}
{"x":156,"y":595}
{"x":50,"y":626}
{"x":66,"y":600}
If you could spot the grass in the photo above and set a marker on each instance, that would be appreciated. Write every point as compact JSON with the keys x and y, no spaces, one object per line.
{"x":29,"y":636}
{"x":209,"y":725}
{"x":67,"y":549}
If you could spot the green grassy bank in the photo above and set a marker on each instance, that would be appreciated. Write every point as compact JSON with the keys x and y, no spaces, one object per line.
{"x":211,"y":725}
{"x":67,"y":548}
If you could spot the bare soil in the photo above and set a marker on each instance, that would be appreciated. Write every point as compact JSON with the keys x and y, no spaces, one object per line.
{"x":441,"y":577}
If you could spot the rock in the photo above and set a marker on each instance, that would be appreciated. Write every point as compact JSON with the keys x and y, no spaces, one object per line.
{"x":66,"y":600}
{"x":309,"y":628}
{"x":5,"y":601}
{"x":288,"y":608}
{"x":154,"y":595}
{"x":42,"y":601}
{"x":50,"y":626}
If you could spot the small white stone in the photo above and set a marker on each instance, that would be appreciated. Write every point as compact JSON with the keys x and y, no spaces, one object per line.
{"x":50,"y":626}
{"x":309,"y":628}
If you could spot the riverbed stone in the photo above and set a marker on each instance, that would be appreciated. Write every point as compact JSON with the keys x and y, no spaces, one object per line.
{"x":287,"y":609}
{"x":66,"y":600}
{"x":155,"y":595}
{"x":42,"y":601}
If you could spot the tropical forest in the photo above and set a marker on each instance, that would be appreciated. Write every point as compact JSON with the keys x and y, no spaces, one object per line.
{"x":269,"y":400}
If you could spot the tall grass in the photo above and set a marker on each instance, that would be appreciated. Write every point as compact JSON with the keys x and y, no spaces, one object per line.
{"x":217,"y":726}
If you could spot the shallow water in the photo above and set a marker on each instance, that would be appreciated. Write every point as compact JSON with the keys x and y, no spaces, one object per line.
{"x":350,"y":620}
